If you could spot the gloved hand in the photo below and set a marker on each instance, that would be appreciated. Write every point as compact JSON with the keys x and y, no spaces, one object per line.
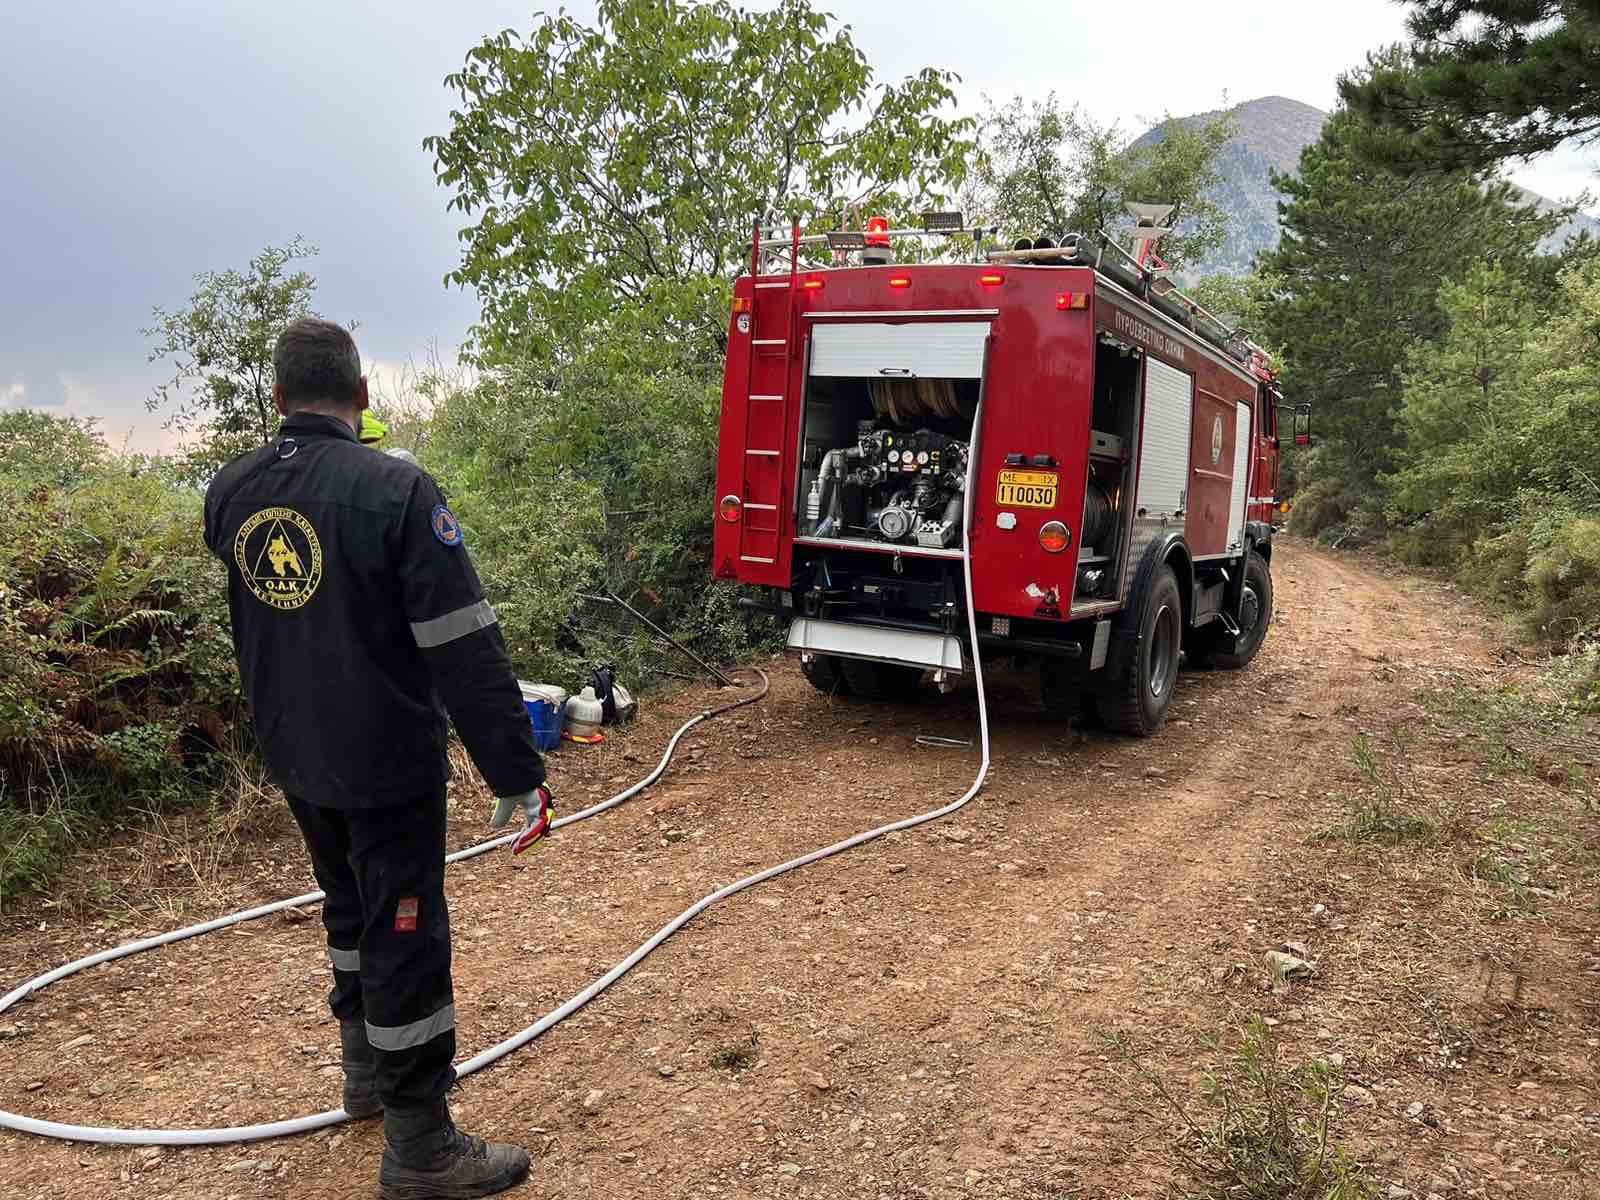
{"x":539,"y":810}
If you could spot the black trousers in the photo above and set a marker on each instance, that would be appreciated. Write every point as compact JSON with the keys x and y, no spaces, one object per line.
{"x":389,"y":937}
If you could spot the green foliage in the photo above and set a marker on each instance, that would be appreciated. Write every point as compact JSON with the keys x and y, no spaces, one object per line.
{"x":1384,"y":808}
{"x":1500,"y":418}
{"x":41,"y":450}
{"x":597,"y":162}
{"x":1563,"y":578}
{"x":113,"y":642}
{"x":220,"y":346}
{"x":1045,"y":170}
{"x":1485,"y":80}
{"x":607,"y":459}
{"x":1353,"y":284}
{"x":1269,"y":1133}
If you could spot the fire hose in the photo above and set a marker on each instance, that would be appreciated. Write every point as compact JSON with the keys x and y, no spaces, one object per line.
{"x":305,"y":1124}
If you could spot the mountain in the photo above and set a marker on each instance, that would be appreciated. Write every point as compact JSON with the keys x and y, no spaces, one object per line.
{"x":1269,"y":134}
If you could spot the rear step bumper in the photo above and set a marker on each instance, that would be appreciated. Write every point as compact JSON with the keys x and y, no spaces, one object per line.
{"x":909,"y":647}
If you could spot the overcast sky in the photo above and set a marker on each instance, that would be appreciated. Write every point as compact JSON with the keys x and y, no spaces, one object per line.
{"x":144,"y":142}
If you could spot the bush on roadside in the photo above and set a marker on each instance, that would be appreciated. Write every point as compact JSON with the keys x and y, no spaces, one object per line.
{"x":593,"y":472}
{"x":1563,"y":578}
{"x":1327,"y":510}
{"x":114,"y":648}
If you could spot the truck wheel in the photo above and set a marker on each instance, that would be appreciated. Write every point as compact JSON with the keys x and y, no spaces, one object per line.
{"x":1227,"y":652}
{"x":822,"y":673}
{"x":1065,"y":696}
{"x":1144,"y":674}
{"x":879,"y":681}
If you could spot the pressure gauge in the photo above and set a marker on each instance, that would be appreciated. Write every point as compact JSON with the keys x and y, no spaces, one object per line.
{"x":922,"y":457}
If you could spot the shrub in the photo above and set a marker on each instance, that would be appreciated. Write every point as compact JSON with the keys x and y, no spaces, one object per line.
{"x":1563,"y":578}
{"x":114,"y":648}
{"x":576,"y":475}
{"x":1327,"y":510}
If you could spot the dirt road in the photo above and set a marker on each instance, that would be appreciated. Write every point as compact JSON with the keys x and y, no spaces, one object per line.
{"x":926,"y":1016}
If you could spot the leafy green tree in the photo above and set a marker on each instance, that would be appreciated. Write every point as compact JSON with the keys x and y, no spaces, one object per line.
{"x":1465,"y":396}
{"x":605,"y":453}
{"x":43,"y":450}
{"x":1485,"y":80}
{"x":1353,"y":284}
{"x":1498,"y":475}
{"x":1043,"y":169}
{"x":220,"y":347}
{"x":626,"y":162}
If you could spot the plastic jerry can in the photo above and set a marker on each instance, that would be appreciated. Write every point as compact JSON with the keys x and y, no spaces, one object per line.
{"x":584,"y":713}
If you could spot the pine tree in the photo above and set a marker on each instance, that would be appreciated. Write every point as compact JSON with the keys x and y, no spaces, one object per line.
{"x":1485,"y":80}
{"x":1353,"y":285}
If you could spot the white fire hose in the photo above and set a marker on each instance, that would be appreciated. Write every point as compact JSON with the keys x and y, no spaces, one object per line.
{"x":271,"y":1129}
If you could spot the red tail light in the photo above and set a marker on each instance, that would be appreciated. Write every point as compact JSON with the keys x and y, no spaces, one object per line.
{"x":813,"y":284}
{"x":1054,"y":536}
{"x":994,"y":279}
{"x":899,"y":281}
{"x":730,"y":508}
{"x":1066,"y":300}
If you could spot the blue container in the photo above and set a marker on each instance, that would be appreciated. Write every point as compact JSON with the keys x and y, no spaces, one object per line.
{"x":546,"y":718}
{"x":546,"y":708}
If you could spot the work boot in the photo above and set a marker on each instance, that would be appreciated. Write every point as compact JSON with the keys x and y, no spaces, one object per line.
{"x":428,"y":1158}
{"x":360,"y":1071}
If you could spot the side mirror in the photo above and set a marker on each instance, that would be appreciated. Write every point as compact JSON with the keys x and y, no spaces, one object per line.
{"x":1302,"y":425}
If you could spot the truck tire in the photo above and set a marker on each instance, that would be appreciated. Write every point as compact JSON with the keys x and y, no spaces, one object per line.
{"x":822,"y":672}
{"x":1144,"y":672}
{"x":879,"y":681}
{"x":1216,"y":647}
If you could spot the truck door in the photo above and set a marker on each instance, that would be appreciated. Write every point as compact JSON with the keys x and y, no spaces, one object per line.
{"x":1264,"y":487}
{"x":1213,"y":448}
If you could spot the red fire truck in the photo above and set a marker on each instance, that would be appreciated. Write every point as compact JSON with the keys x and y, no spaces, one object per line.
{"x":1119,"y":442}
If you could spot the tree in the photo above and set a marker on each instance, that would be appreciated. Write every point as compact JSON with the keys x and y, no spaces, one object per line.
{"x":1464,"y":398}
{"x":1486,"y":80}
{"x":42,"y":450}
{"x":220,"y":345}
{"x":627,"y":161}
{"x":1353,"y":284}
{"x":1045,"y":170}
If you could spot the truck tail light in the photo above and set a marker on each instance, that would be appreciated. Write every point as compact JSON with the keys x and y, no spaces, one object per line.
{"x":812,"y":284}
{"x":992,"y":279}
{"x":899,"y":281}
{"x":730,"y":508}
{"x":1070,"y":300}
{"x":1054,"y":536}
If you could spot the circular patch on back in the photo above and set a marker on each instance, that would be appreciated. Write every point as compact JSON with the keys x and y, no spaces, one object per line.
{"x":445,"y":526}
{"x":279,"y":558}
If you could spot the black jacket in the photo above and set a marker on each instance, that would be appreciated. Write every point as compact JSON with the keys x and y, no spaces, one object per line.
{"x":355,"y":612}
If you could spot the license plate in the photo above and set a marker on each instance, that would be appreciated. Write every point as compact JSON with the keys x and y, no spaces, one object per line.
{"x":1026,"y":489}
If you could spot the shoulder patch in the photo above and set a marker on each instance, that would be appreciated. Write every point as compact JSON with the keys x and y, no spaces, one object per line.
{"x":445,"y":526}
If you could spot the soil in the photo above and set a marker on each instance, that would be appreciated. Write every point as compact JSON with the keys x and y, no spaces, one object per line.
{"x":923,"y":1017}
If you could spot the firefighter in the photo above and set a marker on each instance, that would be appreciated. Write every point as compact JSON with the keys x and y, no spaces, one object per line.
{"x":356,"y":612}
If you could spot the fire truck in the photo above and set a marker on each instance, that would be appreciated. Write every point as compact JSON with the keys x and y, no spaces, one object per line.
{"x":1095,"y":446}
